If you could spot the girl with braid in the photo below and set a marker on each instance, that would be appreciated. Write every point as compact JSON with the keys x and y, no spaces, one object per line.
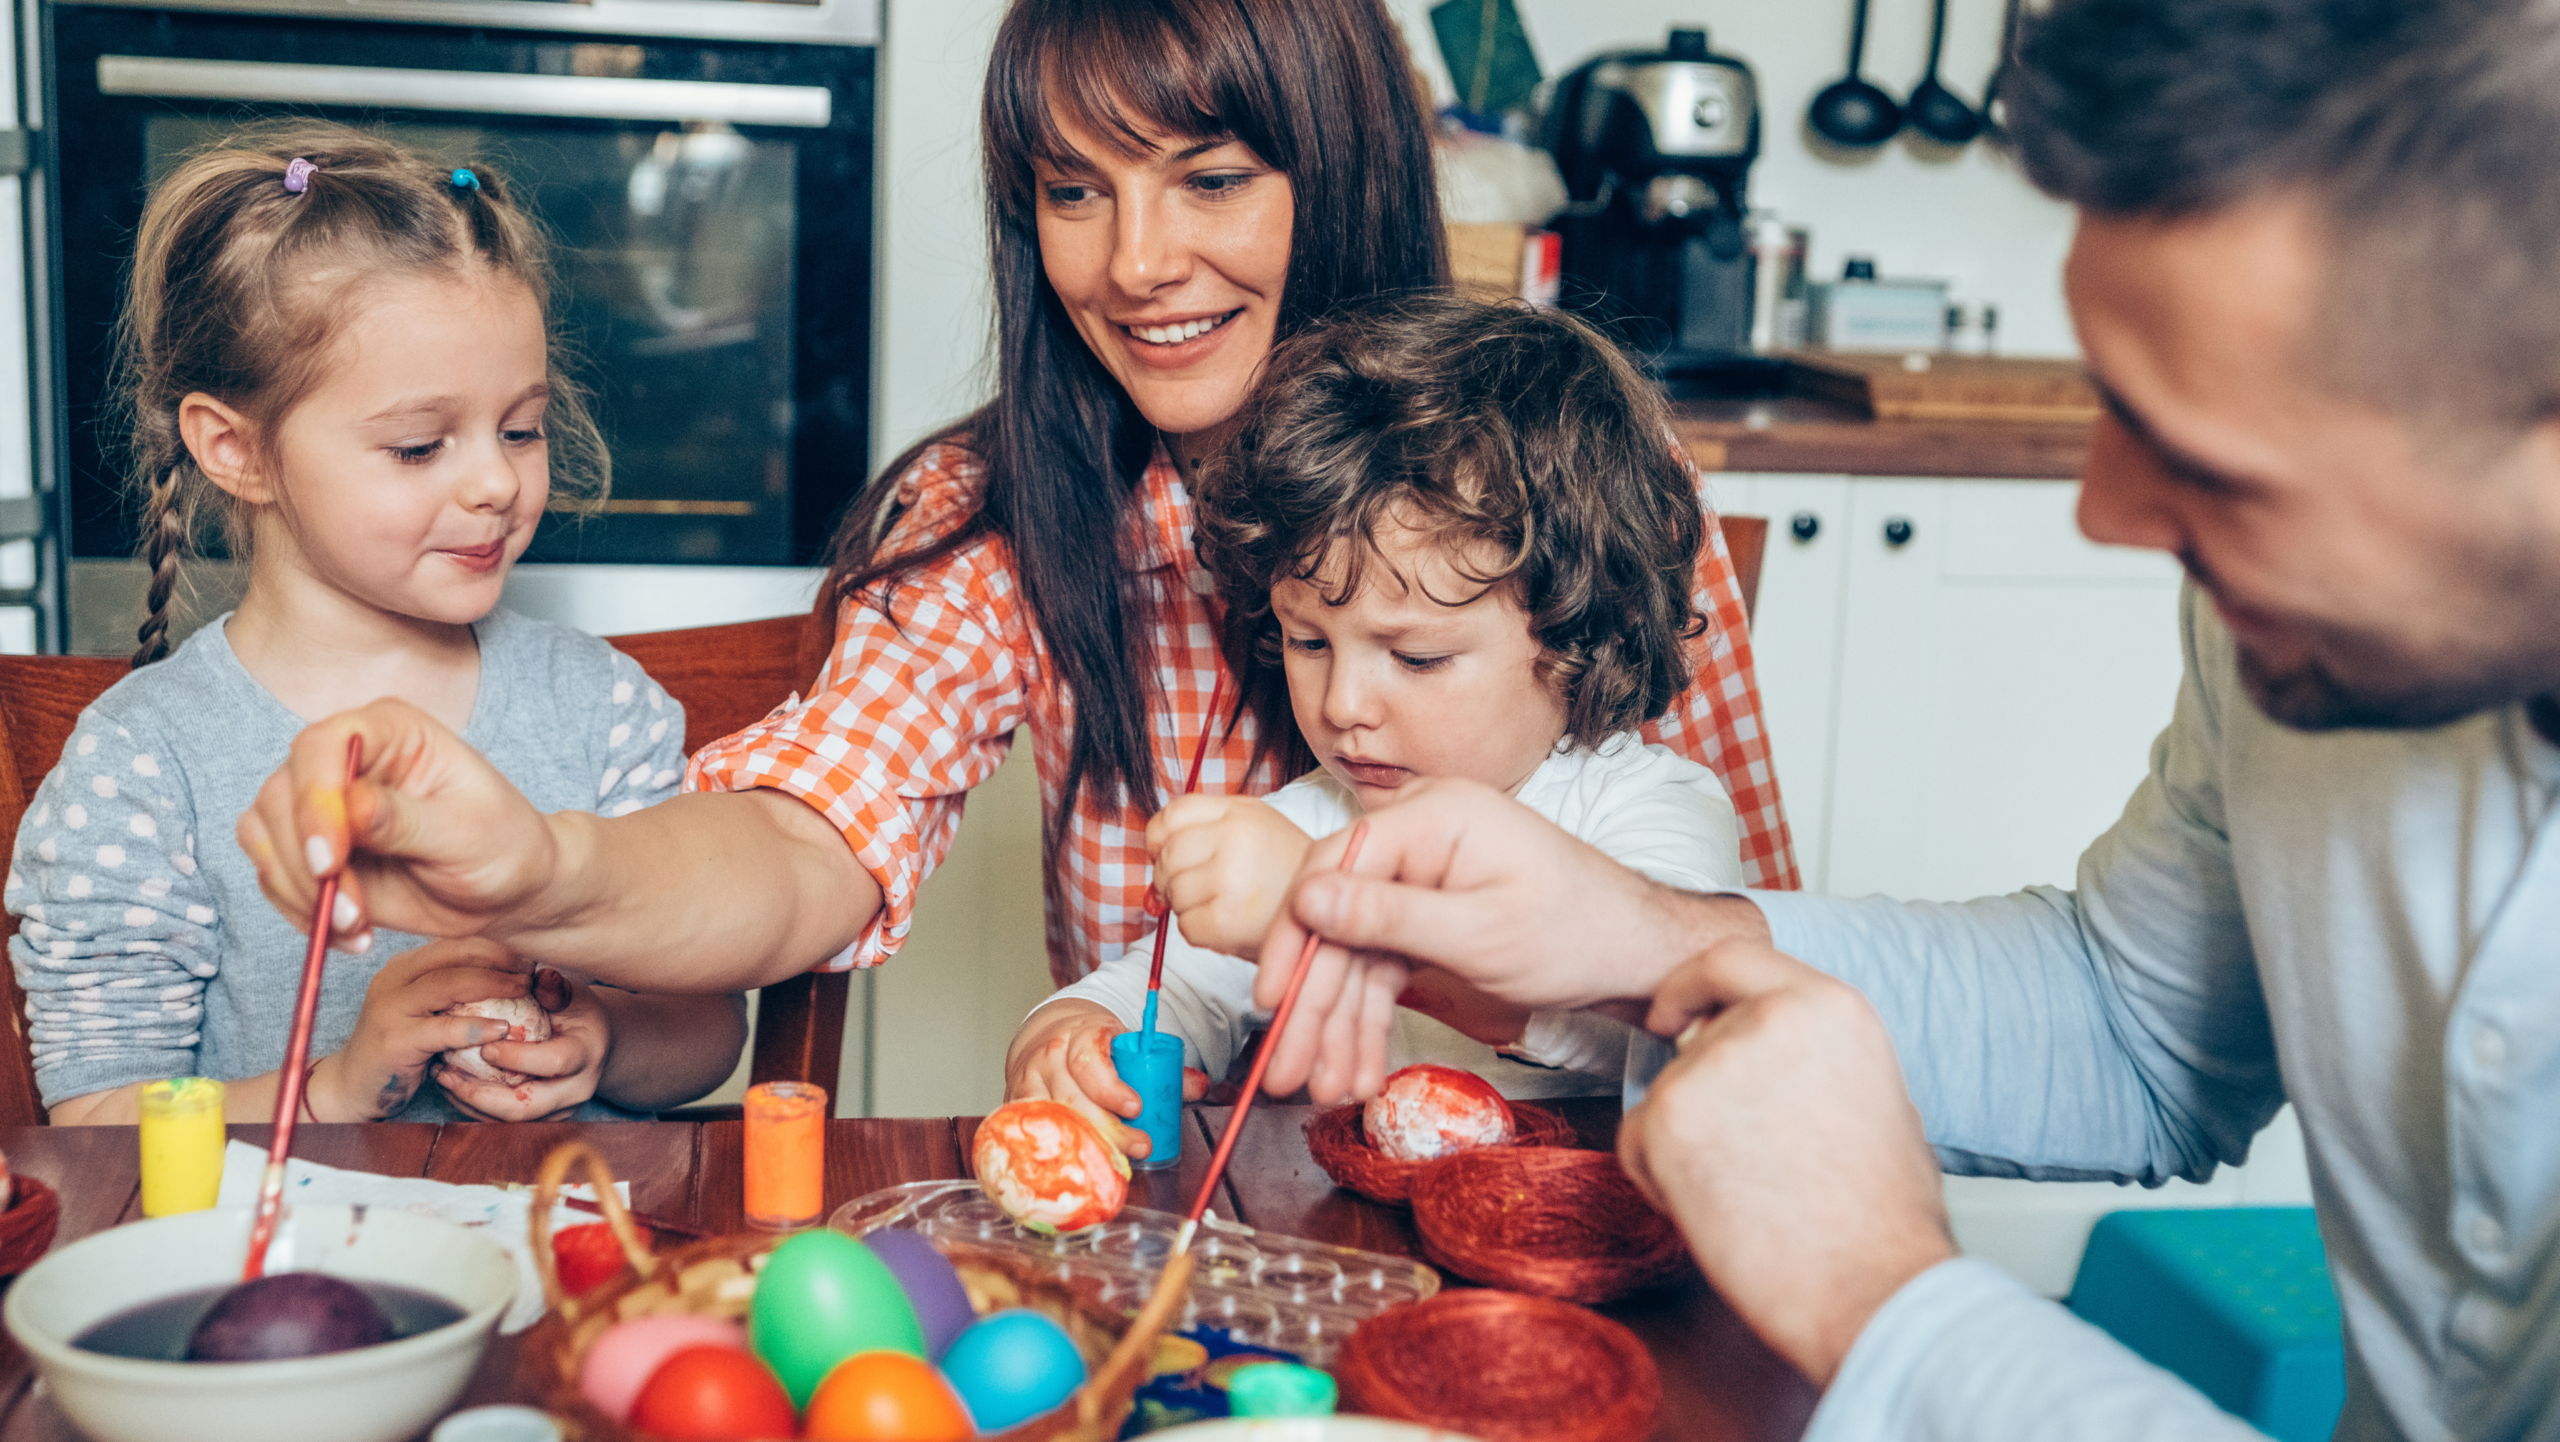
{"x":335,"y":355}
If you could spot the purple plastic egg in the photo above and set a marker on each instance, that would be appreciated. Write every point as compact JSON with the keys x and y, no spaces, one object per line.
{"x":941,"y":1303}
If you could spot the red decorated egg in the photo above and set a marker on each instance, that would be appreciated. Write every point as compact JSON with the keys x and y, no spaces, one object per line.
{"x":1427,"y":1111}
{"x":588,"y":1256}
{"x":887,"y":1397}
{"x":1050,"y":1167}
{"x":713,"y":1394}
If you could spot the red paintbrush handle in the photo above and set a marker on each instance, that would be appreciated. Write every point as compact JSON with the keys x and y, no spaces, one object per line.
{"x":1156,"y":905}
{"x":1271,"y":1040}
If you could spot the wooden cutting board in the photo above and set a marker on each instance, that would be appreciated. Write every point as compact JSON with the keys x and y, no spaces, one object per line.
{"x":1948,"y":387}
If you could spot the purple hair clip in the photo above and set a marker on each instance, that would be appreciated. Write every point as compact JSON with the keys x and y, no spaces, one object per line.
{"x":297,"y":175}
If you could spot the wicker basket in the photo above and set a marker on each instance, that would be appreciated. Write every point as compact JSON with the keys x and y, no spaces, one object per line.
{"x":716,"y":1278}
{"x":1337,"y":1141}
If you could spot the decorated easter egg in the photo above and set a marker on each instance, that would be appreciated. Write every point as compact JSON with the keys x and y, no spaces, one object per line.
{"x":1049,"y":1167}
{"x":822,"y":1297}
{"x":712,"y":1394}
{"x":588,"y":1256}
{"x":1427,"y":1111}
{"x":932,"y":1288}
{"x":1011,"y":1366}
{"x":886,"y":1397}
{"x":525,"y":1021}
{"x":627,"y":1355}
{"x":288,"y":1314}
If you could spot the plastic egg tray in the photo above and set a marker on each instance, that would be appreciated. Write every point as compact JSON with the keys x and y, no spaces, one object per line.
{"x":1272,"y":1291}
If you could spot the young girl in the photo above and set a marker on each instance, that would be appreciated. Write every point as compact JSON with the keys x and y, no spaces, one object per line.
{"x":1452,"y":540}
{"x":337,"y":354}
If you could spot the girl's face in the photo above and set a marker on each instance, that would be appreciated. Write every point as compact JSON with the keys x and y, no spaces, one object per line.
{"x":1171,"y":264}
{"x":409,"y":480}
{"x":1393,"y":686}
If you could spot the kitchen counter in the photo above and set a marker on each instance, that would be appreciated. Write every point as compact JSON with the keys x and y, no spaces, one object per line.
{"x":1812,"y":434}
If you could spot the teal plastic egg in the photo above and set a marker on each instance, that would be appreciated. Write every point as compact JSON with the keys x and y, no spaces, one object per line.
{"x":1012,"y":1366}
{"x":822,"y":1297}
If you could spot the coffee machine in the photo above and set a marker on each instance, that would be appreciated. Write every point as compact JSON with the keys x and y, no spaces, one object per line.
{"x":1656,"y":149}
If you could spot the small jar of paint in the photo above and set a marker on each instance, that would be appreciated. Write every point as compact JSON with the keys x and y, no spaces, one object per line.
{"x":182,"y":1141}
{"x":1151,"y":1063}
{"x":1280,"y":1389}
{"x":786,"y":1154}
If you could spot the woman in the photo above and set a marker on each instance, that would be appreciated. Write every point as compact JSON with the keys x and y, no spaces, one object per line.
{"x":1172,"y":184}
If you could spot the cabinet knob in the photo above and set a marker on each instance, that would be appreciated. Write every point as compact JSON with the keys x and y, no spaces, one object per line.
{"x":1804,"y":525}
{"x":1897,"y":531}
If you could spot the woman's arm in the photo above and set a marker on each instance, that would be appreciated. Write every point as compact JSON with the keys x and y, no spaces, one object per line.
{"x":668,"y":1050}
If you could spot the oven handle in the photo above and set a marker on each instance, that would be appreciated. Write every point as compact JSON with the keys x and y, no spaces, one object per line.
{"x":584,"y":97}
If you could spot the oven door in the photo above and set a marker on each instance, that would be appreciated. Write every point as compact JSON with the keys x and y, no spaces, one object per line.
{"x":711,"y":201}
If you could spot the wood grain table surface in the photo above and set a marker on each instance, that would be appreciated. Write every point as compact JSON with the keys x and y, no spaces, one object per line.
{"x":1718,"y":1380}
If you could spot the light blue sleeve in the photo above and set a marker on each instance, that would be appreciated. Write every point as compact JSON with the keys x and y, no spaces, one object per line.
{"x":643,"y":743}
{"x":2116,"y":1032}
{"x":1963,"y":1353}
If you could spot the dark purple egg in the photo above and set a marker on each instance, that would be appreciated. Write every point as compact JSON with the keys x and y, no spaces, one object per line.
{"x":932,"y":1288}
{"x":290,"y":1314}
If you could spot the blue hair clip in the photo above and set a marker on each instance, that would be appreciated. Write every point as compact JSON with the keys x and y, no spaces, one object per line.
{"x":465,"y":180}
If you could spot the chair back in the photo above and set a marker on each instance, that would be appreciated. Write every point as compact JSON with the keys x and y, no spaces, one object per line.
{"x":1746,"y":540}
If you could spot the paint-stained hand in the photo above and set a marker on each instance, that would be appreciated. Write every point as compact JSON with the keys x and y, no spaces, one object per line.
{"x":1224,"y":863}
{"x":1063,"y":1053}
{"x":562,"y":1072}
{"x":401,"y":1029}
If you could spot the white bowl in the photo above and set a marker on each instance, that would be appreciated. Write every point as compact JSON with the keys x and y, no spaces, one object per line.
{"x":371,"y":1394}
{"x":1307,"y":1429}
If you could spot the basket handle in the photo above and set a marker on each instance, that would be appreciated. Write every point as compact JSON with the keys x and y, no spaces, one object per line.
{"x":546,"y":1195}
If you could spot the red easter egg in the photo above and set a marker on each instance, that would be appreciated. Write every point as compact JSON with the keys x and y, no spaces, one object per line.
{"x":1427,"y":1111}
{"x":1049,"y":1167}
{"x":713,"y":1394}
{"x":589,"y":1256}
{"x":887,"y":1397}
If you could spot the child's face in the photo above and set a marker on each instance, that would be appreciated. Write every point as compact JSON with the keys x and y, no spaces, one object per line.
{"x":410,"y":478}
{"x":1393,"y":686}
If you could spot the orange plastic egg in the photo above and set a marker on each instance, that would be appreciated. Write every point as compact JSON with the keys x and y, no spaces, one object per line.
{"x":887,"y":1397}
{"x":1049,"y":1167}
{"x":713,"y":1394}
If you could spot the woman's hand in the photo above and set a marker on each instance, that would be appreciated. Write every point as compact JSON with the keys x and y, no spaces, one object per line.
{"x":1223,"y":864}
{"x":443,"y":843}
{"x":1064,"y":1054}
{"x":402,"y":1030}
{"x":565,"y":1070}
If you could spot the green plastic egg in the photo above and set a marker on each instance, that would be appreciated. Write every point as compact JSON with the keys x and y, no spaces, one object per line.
{"x":822,"y":1297}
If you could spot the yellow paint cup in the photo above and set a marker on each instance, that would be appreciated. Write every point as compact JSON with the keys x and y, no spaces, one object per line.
{"x":182,"y":1141}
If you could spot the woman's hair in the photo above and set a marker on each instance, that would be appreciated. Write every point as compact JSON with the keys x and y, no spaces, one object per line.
{"x":251,"y":252}
{"x":1319,"y":89}
{"x":1516,"y":439}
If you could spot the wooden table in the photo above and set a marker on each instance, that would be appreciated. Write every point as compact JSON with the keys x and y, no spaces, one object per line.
{"x":1718,"y":1380}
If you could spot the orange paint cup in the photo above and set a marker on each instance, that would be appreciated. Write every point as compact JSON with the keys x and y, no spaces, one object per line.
{"x":786,"y":1154}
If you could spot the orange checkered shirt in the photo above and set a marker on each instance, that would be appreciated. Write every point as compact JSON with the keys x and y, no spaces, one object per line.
{"x":911,"y":713}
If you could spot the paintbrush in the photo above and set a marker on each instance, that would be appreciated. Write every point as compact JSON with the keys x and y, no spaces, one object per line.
{"x":1157,"y":905}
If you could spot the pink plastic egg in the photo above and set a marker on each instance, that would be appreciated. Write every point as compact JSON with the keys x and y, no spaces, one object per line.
{"x":1427,"y":1111}
{"x":622,"y":1360}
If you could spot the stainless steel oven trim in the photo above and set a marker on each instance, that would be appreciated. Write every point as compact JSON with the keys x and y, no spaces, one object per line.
{"x":588,"y":97}
{"x":828,"y":22}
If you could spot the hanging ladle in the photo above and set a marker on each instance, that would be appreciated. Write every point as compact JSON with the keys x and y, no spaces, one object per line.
{"x":1995,"y":118}
{"x":1850,"y":111}
{"x":1936,"y":111}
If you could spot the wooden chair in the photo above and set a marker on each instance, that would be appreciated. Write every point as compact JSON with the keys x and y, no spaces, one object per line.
{"x":1746,"y":539}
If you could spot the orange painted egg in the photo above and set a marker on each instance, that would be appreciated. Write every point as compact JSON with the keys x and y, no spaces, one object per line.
{"x":887,"y":1397}
{"x":1050,"y":1167}
{"x":713,"y":1394}
{"x":1427,"y":1111}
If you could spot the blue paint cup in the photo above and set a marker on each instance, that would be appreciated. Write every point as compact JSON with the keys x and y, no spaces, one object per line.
{"x":1151,"y":1063}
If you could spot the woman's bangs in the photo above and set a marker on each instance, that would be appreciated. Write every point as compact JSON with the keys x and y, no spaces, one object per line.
{"x":1129,"y":74}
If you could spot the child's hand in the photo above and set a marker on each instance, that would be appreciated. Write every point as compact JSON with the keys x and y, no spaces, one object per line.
{"x":400,"y":1031}
{"x":564,"y":1070}
{"x":1224,"y":863}
{"x":1451,"y":1001}
{"x":1064,"y":1054}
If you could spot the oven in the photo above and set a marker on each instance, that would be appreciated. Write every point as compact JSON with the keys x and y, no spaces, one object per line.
{"x":705,"y":167}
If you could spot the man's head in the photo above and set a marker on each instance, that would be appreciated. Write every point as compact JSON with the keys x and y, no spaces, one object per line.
{"x":2318,"y":280}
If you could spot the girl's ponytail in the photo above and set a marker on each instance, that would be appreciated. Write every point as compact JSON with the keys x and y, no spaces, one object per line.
{"x":164,"y":532}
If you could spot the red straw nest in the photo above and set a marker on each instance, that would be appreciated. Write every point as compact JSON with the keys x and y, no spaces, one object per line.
{"x":1550,"y":1221}
{"x":1503,"y":1367}
{"x":1341,"y":1146}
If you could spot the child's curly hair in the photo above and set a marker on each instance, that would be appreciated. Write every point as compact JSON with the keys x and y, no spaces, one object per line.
{"x":1519,"y":430}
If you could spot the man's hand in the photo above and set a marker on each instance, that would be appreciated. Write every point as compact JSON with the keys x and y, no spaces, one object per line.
{"x":1224,"y":863}
{"x":1464,"y":878}
{"x":1783,"y":1142}
{"x":564,"y":1070}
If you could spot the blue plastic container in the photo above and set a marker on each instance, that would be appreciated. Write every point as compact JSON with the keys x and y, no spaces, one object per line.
{"x":2235,"y":1300}
{"x":1154,"y":1071}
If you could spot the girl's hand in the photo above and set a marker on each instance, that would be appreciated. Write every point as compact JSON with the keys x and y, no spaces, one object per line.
{"x":565,"y":1069}
{"x":1224,"y":864}
{"x":1064,"y":1055}
{"x":400,"y":1031}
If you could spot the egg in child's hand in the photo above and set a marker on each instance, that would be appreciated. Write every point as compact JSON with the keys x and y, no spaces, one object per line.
{"x":1013,"y":1366}
{"x":887,"y":1397}
{"x":933,"y":1288}
{"x":822,"y":1297}
{"x":713,"y":1394}
{"x":526,"y":1021}
{"x":629,"y":1353}
{"x":1049,"y":1166}
{"x":1427,"y":1111}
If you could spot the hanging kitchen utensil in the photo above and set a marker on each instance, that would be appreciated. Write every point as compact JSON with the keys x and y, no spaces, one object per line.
{"x":1995,"y":116}
{"x":1934,"y":110}
{"x":1851,"y":111}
